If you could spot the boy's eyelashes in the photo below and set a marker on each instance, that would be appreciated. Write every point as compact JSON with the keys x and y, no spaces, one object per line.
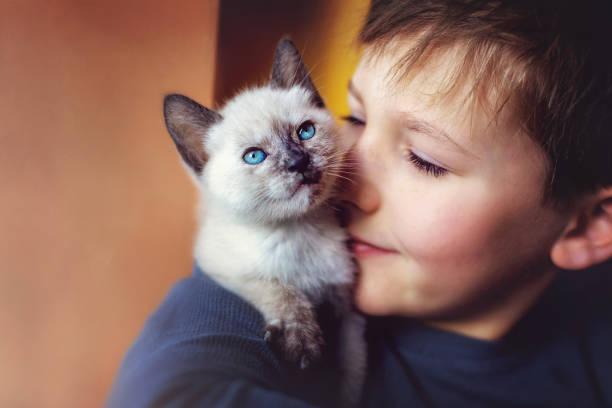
{"x":425,"y":166}
{"x":353,"y":120}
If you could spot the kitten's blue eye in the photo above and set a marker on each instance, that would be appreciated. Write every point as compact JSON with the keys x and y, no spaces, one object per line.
{"x":254,"y":156}
{"x":306,"y":130}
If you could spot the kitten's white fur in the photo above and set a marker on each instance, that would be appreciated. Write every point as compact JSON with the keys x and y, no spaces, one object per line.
{"x":266,"y":232}
{"x":250,"y":238}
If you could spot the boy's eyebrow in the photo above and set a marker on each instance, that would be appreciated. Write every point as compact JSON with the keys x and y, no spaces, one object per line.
{"x":429,"y":129}
{"x":409,"y":121}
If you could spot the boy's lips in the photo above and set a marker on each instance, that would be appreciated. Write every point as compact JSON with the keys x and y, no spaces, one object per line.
{"x":364,"y":249}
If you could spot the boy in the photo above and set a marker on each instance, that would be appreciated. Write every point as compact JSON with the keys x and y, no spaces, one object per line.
{"x":482,"y":135}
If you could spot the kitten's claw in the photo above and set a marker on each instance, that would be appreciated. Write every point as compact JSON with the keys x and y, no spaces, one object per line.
{"x":272,"y":332}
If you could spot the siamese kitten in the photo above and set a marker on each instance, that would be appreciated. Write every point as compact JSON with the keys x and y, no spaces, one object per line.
{"x":268,"y":165}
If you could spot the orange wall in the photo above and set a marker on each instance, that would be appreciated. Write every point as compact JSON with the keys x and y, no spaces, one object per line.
{"x":96,"y":211}
{"x":95,"y":208}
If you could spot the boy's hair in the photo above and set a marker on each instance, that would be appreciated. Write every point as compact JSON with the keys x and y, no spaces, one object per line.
{"x":548,"y":61}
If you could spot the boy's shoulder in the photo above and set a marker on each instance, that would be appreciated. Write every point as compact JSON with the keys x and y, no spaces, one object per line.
{"x":558,"y":355}
{"x":199,"y":331}
{"x":196,"y":316}
{"x":203,"y":336}
{"x":571,"y":332}
{"x":198,"y":298}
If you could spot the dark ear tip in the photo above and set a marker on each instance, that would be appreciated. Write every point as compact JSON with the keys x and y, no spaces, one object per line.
{"x":178,"y":102}
{"x":170,"y":97}
{"x":286,"y":40}
{"x":174,"y":98}
{"x":170,"y":101}
{"x":286,"y":43}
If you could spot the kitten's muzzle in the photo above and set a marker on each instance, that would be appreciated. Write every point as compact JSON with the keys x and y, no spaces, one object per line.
{"x":311,"y":176}
{"x":299,"y":162}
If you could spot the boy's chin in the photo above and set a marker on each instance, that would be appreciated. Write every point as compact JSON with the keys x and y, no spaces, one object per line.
{"x":373,"y":298}
{"x":380,"y":293}
{"x":370,"y":305}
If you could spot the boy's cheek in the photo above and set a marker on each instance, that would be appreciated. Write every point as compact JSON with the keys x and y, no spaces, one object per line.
{"x":451,"y":233}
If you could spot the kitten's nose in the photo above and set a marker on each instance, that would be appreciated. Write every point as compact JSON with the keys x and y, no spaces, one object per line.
{"x":298,"y":161}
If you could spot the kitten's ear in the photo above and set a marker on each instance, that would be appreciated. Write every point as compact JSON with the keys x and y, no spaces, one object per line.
{"x":188,"y":122}
{"x":288,"y":70}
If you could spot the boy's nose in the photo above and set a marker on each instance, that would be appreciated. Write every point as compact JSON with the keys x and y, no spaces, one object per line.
{"x":364,"y":193}
{"x":365,"y":197}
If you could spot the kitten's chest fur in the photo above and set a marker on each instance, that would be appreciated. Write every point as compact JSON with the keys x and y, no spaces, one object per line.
{"x":309,"y":253}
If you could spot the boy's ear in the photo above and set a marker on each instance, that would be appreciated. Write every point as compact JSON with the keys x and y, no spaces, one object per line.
{"x":288,"y":70}
{"x":587,"y":239}
{"x":188,"y":122}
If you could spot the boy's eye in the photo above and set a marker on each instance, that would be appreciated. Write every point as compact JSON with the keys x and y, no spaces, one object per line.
{"x":353,"y":120}
{"x":306,"y":130}
{"x":425,"y":166}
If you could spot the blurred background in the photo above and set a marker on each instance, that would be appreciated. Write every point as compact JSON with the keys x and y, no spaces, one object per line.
{"x":96,"y":211}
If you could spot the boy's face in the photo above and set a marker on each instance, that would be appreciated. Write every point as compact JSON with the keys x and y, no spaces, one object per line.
{"x":447,"y":212}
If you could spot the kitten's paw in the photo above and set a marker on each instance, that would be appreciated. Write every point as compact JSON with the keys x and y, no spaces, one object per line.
{"x":303,"y":343}
{"x":299,"y":343}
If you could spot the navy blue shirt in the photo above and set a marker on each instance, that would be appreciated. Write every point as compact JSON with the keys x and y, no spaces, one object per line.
{"x":203,"y":348}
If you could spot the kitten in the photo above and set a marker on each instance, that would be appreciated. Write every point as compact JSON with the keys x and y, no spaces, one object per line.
{"x":268,"y":165}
